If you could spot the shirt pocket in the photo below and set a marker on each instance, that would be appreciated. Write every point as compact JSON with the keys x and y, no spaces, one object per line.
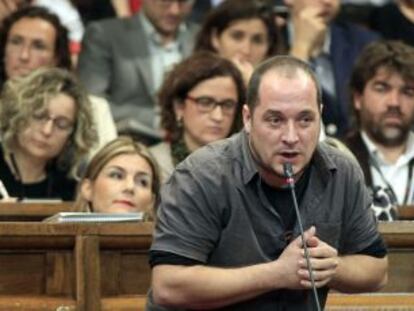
{"x":328,"y":233}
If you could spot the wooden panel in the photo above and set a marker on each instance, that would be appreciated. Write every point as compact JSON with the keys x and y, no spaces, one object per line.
{"x":38,"y":303}
{"x":370,"y":302}
{"x":32,"y":211}
{"x":406,"y":212}
{"x":60,"y":278}
{"x":88,"y":283}
{"x":136,"y":274}
{"x":22,"y":273}
{"x":111,"y":268}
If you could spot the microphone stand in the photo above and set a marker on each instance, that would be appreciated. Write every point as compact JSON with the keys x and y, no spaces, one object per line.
{"x":288,"y":171}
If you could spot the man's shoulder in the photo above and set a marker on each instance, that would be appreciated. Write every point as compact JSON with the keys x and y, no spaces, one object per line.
{"x":337,"y":159}
{"x":116,"y":25}
{"x":215,"y":156}
{"x":353,"y":32}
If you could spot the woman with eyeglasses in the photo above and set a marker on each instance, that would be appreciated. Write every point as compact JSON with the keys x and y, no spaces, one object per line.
{"x":201,"y":101}
{"x":46,"y":128}
{"x":241,"y":31}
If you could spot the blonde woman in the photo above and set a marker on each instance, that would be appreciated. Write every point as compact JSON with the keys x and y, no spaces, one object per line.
{"x":122,"y":177}
{"x":46,"y":128}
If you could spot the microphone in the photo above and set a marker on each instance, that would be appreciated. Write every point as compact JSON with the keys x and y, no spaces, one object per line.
{"x":288,"y":171}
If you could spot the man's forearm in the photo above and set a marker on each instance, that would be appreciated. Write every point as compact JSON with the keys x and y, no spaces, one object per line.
{"x":360,"y":273}
{"x":201,"y":287}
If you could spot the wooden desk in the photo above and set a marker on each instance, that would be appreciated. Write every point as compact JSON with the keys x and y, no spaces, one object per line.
{"x":406,"y":212}
{"x":32,"y":211}
{"x":90,"y":267}
{"x":72,"y":265}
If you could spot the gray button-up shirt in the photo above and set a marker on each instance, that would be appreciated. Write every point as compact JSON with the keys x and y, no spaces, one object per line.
{"x":214,"y":210}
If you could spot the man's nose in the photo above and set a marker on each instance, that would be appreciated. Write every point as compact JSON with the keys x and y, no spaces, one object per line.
{"x":393,"y":98}
{"x":175,"y":7}
{"x":290,"y":135}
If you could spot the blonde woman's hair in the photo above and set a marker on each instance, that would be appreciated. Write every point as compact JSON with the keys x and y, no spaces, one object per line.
{"x":24,"y":95}
{"x":119,"y":146}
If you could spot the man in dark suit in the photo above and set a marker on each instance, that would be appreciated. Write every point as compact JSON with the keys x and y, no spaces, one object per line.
{"x":331,"y":47}
{"x":125,"y":60}
{"x":382,"y":86}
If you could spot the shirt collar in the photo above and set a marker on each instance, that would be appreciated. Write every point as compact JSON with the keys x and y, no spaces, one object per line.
{"x":248,"y":164}
{"x":320,"y":158}
{"x":373,"y":149}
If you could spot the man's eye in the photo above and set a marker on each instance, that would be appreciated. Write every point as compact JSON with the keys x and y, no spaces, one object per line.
{"x":306,"y":121}
{"x":408,"y":91}
{"x":275,"y":121}
{"x":380,"y":87}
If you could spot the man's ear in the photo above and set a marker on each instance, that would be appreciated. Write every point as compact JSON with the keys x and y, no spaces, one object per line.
{"x":86,"y":189}
{"x":356,"y":100}
{"x":247,"y":118}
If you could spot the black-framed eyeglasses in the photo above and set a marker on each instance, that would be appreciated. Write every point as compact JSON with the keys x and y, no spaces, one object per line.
{"x":208,"y":104}
{"x":61,"y":123}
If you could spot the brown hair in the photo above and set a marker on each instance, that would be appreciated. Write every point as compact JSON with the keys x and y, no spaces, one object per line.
{"x":229,"y":11}
{"x":185,"y":76}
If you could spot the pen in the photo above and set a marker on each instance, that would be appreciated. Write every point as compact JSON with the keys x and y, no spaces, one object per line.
{"x":3,"y":191}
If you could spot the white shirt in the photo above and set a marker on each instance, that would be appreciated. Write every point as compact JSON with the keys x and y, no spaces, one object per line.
{"x":163,"y":57}
{"x":394,"y":175}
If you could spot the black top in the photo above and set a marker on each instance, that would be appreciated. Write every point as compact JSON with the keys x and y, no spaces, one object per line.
{"x":56,"y":185}
{"x":392,"y":24}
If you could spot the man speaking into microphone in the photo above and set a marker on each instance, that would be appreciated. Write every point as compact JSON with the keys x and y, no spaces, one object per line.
{"x":227,"y":236}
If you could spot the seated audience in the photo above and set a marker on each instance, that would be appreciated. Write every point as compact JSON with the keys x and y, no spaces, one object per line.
{"x":313,"y":35}
{"x":242,"y":31}
{"x":121,"y":178}
{"x":201,"y":101}
{"x":382,"y":86}
{"x":124,"y":60}
{"x":33,"y":37}
{"x":46,"y":128}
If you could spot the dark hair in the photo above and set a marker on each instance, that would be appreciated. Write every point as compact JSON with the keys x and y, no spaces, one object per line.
{"x":220,"y":18}
{"x":393,"y":55}
{"x":185,"y":76}
{"x":62,"y":53}
{"x":286,"y":66}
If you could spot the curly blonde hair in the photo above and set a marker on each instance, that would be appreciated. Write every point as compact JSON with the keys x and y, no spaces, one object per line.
{"x":24,"y":95}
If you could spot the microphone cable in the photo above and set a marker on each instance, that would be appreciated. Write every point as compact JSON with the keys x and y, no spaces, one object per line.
{"x":288,"y":171}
